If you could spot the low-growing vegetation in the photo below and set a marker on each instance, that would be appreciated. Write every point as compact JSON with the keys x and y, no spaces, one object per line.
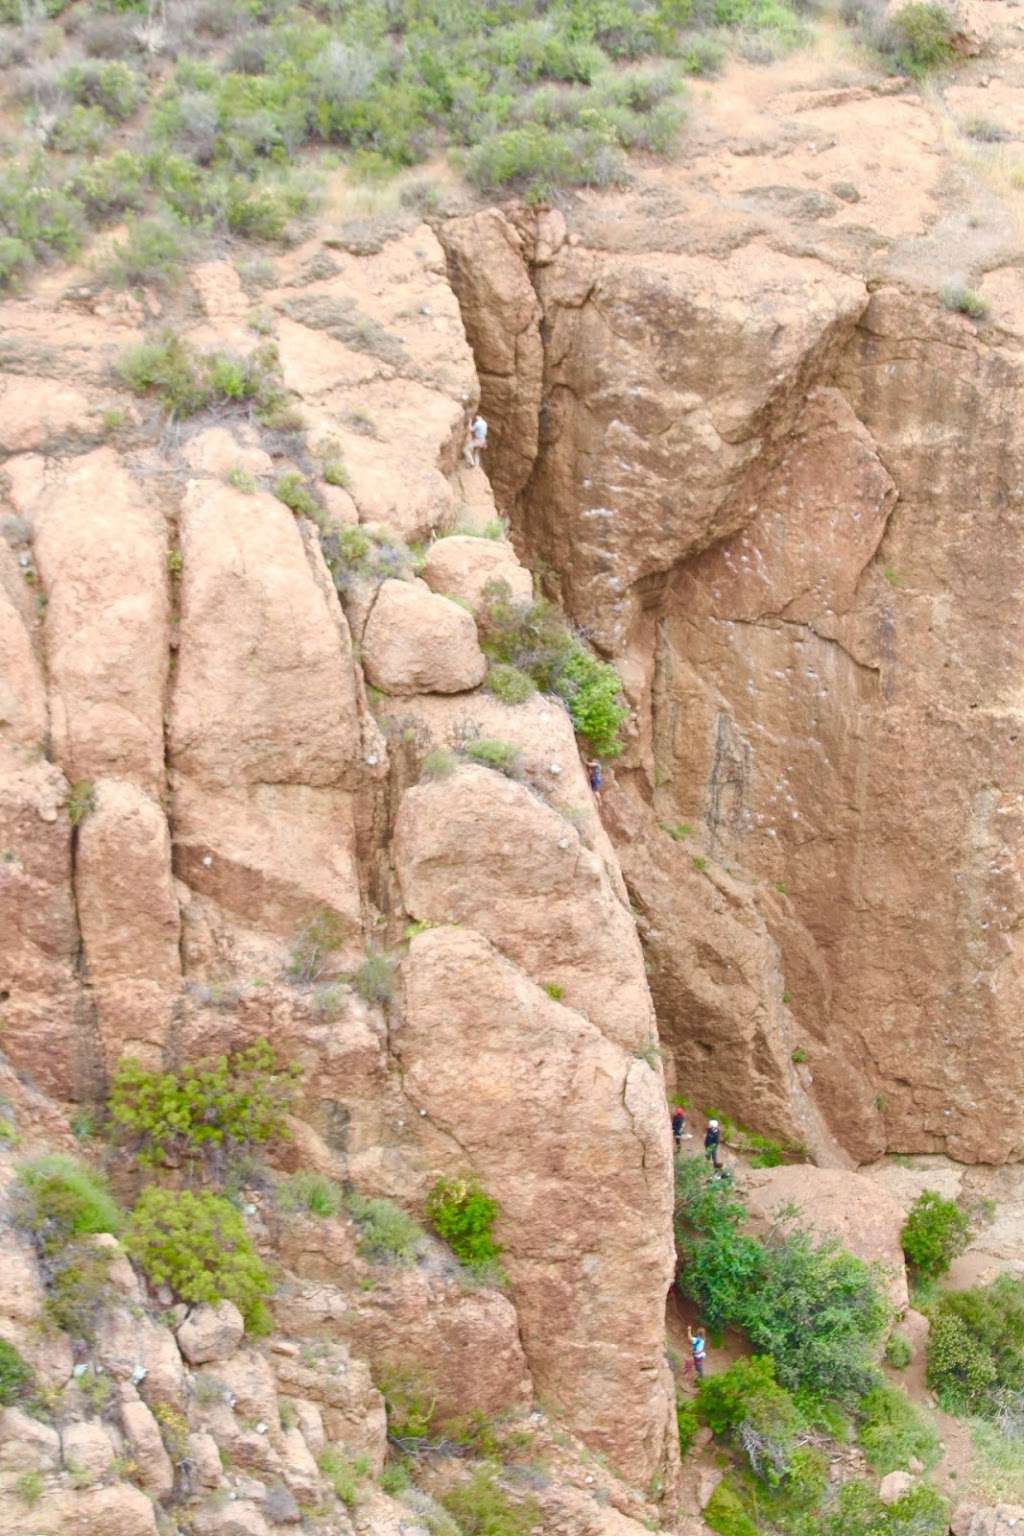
{"x":196,"y":1243}
{"x":535,"y":639}
{"x":185,"y":381}
{"x":64,"y":1205}
{"x":387,"y":1235}
{"x":308,"y":1193}
{"x":204,"y":128}
{"x":226,"y":1106}
{"x":482,"y":1507}
{"x":464,"y":1216}
{"x":964,"y":301}
{"x":15,"y":1375}
{"x":976,"y":1351}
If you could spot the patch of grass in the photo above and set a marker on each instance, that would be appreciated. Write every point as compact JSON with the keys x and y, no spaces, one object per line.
{"x":185,"y":381}
{"x":935,"y":1232}
{"x":678,"y":831}
{"x":892,"y":1432}
{"x":335,"y":473}
{"x":502,"y":756}
{"x":898,"y":1352}
{"x":964,"y":301}
{"x":798,"y":1056}
{"x":29,"y":1487}
{"x":154,"y":250}
{"x":439,"y":764}
{"x":410,"y":1399}
{"x":699,"y":863}
{"x":554,"y":991}
{"x":508,"y":684}
{"x":997,"y":1473}
{"x":985,"y":130}
{"x":60,"y":1199}
{"x":687,"y":1423}
{"x":343,"y":1472}
{"x":464,"y":1216}
{"x":197,"y":1244}
{"x":312,"y":1193}
{"x":387,"y":1235}
{"x":298,"y":495}
{"x":241,"y":479}
{"x":395,"y":1478}
{"x":81,"y":802}
{"x":481,"y":1507}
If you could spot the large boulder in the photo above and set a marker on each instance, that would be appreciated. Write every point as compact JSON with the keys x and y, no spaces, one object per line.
{"x":462,"y":565}
{"x":145,"y":1443}
{"x":416,"y":641}
{"x":836,"y":1203}
{"x":211,"y":1333}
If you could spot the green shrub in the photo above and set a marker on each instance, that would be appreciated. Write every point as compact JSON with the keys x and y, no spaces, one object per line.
{"x":374,"y":980}
{"x":922,"y":38}
{"x":394,"y":1478}
{"x":965,"y":301}
{"x":481,"y":1507}
{"x":746,"y":1405}
{"x":508,"y":684}
{"x":898,"y":1352}
{"x":892,"y":1431}
{"x":816,"y":1309}
{"x":687,"y":1423}
{"x":15,"y":1375}
{"x":310,"y":1192}
{"x":410,"y":1400}
{"x":858,"y":1511}
{"x":311,"y":956}
{"x":463,"y":1215}
{"x":241,"y":479}
{"x":296,"y":494}
{"x":701,"y":54}
{"x":725,"y":1513}
{"x":335,"y":473}
{"x":976,"y":1346}
{"x":534,"y":638}
{"x":502,"y":756}
{"x":82,"y":130}
{"x":386,"y":1234}
{"x":29,"y":1487}
{"x":114,"y":86}
{"x":235,"y":1102}
{"x":185,"y":381}
{"x":935,"y":1233}
{"x":197,"y":1244}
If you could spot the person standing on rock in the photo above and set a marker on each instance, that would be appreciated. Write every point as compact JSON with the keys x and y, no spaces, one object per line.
{"x":678,"y":1127}
{"x":698,"y":1350}
{"x":712,"y":1138}
{"x":476,"y":442}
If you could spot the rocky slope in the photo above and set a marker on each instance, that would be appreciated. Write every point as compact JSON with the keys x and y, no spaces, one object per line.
{"x":767,"y":471}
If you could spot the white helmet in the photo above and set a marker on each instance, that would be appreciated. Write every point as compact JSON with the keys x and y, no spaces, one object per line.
{"x":712,"y":1125}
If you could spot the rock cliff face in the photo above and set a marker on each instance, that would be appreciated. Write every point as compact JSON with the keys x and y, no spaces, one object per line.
{"x":786,"y":503}
{"x":207,"y":830}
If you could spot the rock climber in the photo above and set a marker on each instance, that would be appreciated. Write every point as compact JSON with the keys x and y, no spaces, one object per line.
{"x":678,"y":1126}
{"x":476,"y":442}
{"x":595,"y":775}
{"x":712,"y":1137}
{"x":698,"y":1351}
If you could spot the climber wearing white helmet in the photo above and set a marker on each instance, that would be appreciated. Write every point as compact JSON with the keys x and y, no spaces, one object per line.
{"x":712,"y":1137}
{"x":476,"y":442}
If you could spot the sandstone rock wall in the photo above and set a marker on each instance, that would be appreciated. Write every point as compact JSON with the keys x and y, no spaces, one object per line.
{"x":208,"y":833}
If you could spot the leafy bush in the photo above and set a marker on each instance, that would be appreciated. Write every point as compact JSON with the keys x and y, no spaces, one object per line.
{"x":237,"y":1101}
{"x":463,"y":1215}
{"x":439,"y":764}
{"x":185,"y":381}
{"x":197,"y":1244}
{"x":976,"y":1347}
{"x":502,"y":756}
{"x":481,"y":1507}
{"x":114,"y":86}
{"x":508,"y":684}
{"x":314,"y":947}
{"x":410,"y":1401}
{"x":15,"y":1375}
{"x":922,"y":38}
{"x":534,"y":638}
{"x":310,"y":1192}
{"x":153,"y":251}
{"x":386,"y":1234}
{"x":935,"y":1232}
{"x":898,"y":1352}
{"x":892,"y":1431}
{"x":816,"y":1309}
{"x":107,"y":188}
{"x":858,"y":1511}
{"x":81,"y":801}
{"x":38,"y":219}
{"x":687,"y":1423}
{"x":746,"y":1405}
